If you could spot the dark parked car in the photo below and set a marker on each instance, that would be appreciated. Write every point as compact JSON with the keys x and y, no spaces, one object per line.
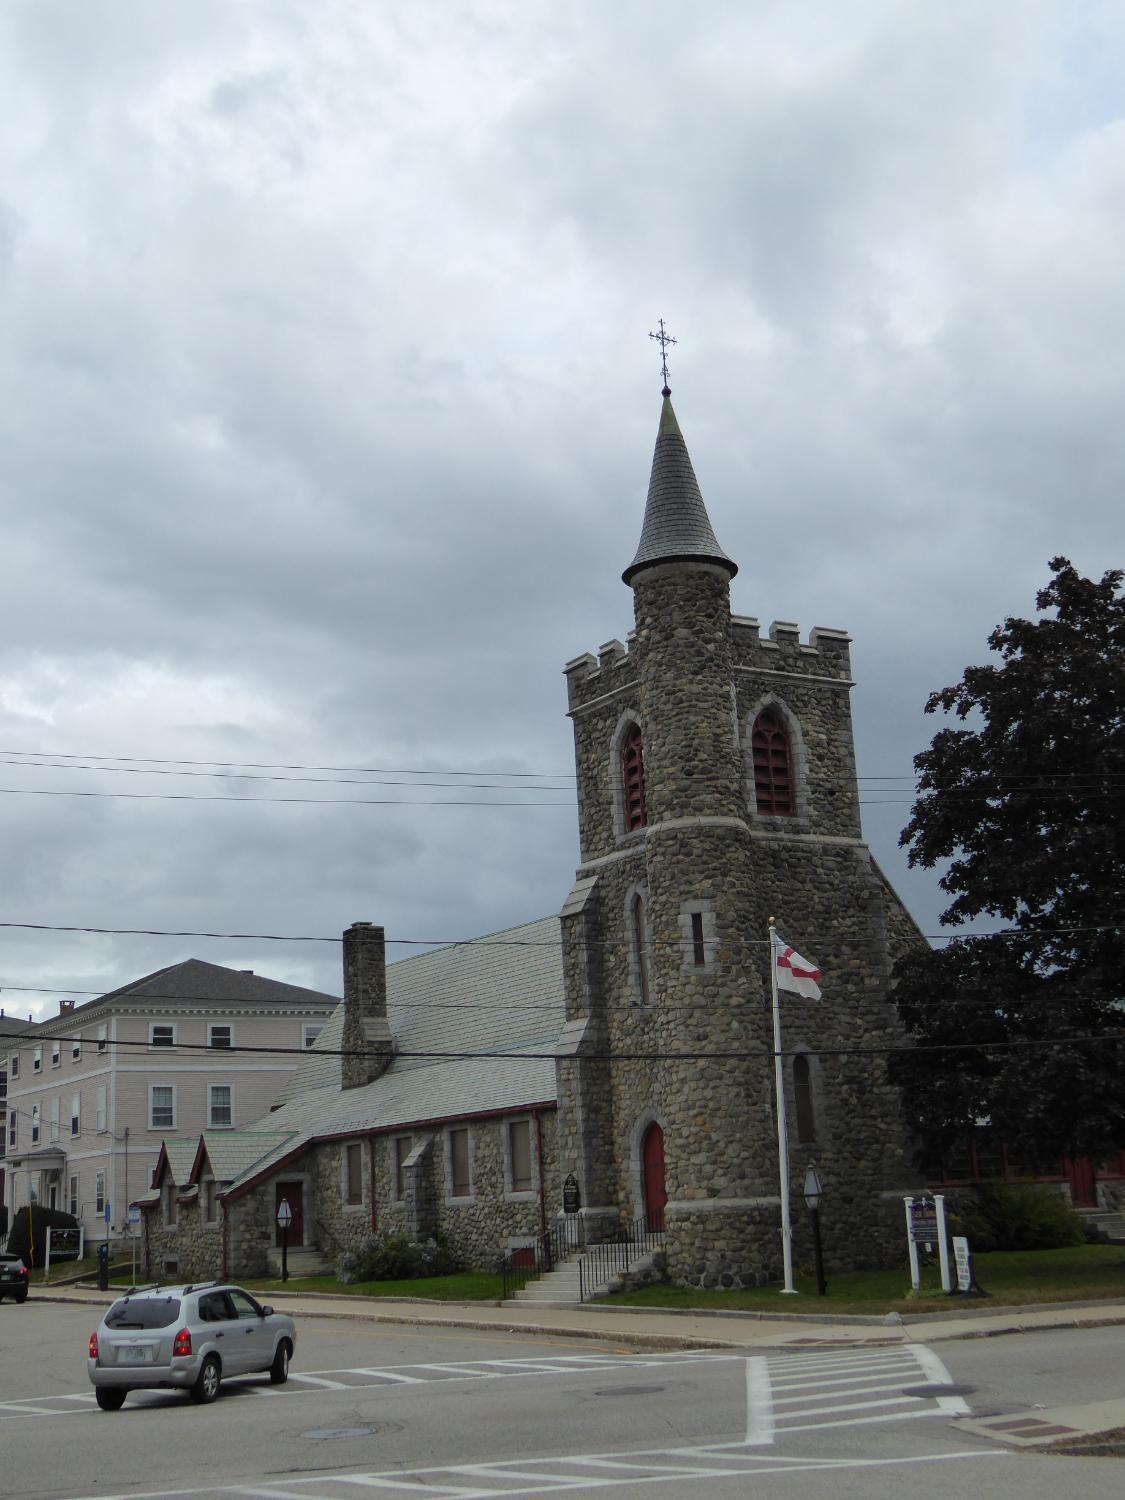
{"x":14,"y":1277}
{"x":186,"y":1337}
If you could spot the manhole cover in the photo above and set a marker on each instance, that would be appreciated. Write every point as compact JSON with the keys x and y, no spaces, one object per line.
{"x":321,"y":1434}
{"x":937,"y":1389}
{"x":631,"y":1390}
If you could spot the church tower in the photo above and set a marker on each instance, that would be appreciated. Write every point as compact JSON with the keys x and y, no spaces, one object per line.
{"x":717,"y":788}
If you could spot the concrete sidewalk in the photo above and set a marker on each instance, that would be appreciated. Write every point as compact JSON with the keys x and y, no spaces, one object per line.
{"x":652,"y":1328}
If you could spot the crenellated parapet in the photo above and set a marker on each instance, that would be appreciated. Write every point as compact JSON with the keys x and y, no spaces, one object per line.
{"x":590,"y":677}
{"x":826,"y":653}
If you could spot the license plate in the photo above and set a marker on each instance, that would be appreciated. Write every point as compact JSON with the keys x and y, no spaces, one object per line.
{"x":132,"y":1355}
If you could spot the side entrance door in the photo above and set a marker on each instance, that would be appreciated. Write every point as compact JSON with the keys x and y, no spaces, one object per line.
{"x":656,"y":1193}
{"x":294,"y":1195}
{"x":1083,"y":1184}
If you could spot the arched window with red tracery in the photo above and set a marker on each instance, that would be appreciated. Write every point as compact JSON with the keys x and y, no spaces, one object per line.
{"x":633,"y":778}
{"x":773,"y":766}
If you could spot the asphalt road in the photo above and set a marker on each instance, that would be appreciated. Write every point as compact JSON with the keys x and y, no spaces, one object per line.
{"x":402,"y":1410}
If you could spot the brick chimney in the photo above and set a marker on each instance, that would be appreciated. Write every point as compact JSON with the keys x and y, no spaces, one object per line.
{"x":367,"y":1042}
{"x":65,"y":1007}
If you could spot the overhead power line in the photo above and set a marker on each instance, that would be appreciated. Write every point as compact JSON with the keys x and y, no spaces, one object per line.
{"x":740,"y":1054}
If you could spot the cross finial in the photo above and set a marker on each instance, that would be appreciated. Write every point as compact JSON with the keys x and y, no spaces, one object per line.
{"x":663,"y":338}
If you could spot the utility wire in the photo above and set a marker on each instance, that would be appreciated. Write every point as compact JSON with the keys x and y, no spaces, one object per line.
{"x":522,"y":1055}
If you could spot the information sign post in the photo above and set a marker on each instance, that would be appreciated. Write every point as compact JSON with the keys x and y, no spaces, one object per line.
{"x":912,"y":1245}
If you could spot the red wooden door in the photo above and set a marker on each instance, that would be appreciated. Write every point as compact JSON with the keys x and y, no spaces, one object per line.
{"x":294,"y":1195}
{"x":656,"y":1193}
{"x":1083,"y":1185}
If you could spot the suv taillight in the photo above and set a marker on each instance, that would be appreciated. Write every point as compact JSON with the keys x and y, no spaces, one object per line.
{"x":93,"y":1346}
{"x":181,"y":1344}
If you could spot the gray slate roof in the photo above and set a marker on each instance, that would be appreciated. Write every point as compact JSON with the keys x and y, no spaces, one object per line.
{"x":501,"y":993}
{"x":676,"y":525}
{"x":195,"y":981}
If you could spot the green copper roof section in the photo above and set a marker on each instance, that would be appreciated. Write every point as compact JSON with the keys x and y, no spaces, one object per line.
{"x":676,"y":525}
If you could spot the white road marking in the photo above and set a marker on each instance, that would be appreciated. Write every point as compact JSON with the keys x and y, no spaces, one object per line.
{"x":852,"y":1390}
{"x":759,"y":1403}
{"x":329,"y":1385}
{"x":415,"y":1481}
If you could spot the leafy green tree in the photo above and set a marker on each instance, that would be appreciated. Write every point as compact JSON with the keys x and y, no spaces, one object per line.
{"x":1026,"y":802}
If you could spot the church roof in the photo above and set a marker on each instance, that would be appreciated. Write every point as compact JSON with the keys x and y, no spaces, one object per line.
{"x":503,"y":993}
{"x":676,"y":525}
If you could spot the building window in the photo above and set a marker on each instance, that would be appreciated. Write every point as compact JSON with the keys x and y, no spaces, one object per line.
{"x":13,"y":1129}
{"x":37,"y":1059}
{"x":76,"y":1049}
{"x":219,"y":1036}
{"x":100,"y":1113}
{"x":803,"y":1099}
{"x":76,"y":1114}
{"x":171,"y":1207}
{"x":640,"y":949}
{"x":402,"y":1151}
{"x":519,"y":1155}
{"x":35,"y":1124}
{"x":220,"y":1105}
{"x":72,"y":1196}
{"x":310,"y":1033}
{"x":162,"y":1106}
{"x":56,"y":1054}
{"x":698,"y":950}
{"x":161,"y":1034}
{"x":103,"y":1037}
{"x":53,"y":1120}
{"x":353,"y":1173}
{"x":634,"y":809}
{"x":99,"y":1193}
{"x":210,"y":1200}
{"x":14,"y":1066}
{"x":34,"y":1183}
{"x":773,"y":766}
{"x":460,"y":1177}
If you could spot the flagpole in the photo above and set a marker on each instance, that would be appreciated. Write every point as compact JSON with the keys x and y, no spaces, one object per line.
{"x":782,"y":1128}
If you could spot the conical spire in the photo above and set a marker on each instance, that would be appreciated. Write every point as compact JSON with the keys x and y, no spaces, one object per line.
{"x":676,"y":525}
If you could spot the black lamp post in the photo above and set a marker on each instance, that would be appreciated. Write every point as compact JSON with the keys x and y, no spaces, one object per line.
{"x":284,"y":1219}
{"x":814,"y":1191}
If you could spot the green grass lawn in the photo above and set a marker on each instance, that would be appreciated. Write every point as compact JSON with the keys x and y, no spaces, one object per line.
{"x":1012,"y":1277}
{"x":468,"y":1286}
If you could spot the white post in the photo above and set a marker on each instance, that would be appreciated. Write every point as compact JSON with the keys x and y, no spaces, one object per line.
{"x":942,"y":1243}
{"x":47,"y":1262}
{"x":782,"y":1129}
{"x":912,"y":1248}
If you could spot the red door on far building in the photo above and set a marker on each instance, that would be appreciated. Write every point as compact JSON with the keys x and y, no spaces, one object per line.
{"x":656,"y":1194}
{"x":294,"y":1195}
{"x":1083,"y":1184}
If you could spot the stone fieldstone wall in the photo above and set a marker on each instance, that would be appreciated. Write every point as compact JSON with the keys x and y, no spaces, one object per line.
{"x":194,"y":1245}
{"x":694,"y":680}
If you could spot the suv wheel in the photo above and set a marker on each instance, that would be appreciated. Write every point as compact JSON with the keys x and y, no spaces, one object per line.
{"x":21,"y":1297}
{"x":206,"y":1387}
{"x":109,"y":1397}
{"x":279,"y":1370}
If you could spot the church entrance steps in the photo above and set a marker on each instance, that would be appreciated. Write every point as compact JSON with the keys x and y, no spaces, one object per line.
{"x":591,"y":1273}
{"x":300,"y":1263}
{"x":1108,"y":1224}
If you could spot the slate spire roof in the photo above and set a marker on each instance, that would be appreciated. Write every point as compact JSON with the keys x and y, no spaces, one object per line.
{"x":676,"y":525}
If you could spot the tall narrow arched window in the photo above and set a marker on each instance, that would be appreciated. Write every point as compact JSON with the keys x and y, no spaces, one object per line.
{"x":773,"y":766}
{"x":803,"y":1099}
{"x":640,"y":949}
{"x":633,"y":778}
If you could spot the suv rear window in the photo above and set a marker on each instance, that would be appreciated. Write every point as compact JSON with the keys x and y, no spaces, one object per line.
{"x":143,"y":1312}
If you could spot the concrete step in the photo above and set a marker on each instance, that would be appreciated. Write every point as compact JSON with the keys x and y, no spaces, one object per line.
{"x":1108,"y":1222}
{"x":300,"y":1263}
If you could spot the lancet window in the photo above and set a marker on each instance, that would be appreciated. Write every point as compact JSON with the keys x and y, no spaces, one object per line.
{"x":773,"y":766}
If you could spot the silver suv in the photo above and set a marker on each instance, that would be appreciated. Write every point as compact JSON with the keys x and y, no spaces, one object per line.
{"x":186,"y":1337}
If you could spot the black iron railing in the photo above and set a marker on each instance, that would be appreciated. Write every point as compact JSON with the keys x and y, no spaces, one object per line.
{"x":542,"y":1255}
{"x":600,"y":1263}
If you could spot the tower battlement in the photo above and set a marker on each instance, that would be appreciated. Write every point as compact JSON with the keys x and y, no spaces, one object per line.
{"x":826,"y":653}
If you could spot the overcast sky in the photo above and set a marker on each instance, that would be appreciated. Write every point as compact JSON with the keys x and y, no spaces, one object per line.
{"x":327,"y":408}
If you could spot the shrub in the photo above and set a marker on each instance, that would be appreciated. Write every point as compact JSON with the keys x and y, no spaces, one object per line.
{"x":1016,"y":1216}
{"x":396,"y":1257}
{"x":29,"y":1239}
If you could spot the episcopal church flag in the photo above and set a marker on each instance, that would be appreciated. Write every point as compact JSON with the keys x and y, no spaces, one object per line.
{"x":794,"y":973}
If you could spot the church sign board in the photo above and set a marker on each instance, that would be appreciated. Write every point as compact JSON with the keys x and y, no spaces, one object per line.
{"x":570,"y":1194}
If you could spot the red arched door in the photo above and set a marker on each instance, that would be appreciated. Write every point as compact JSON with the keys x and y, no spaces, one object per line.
{"x":656,"y":1194}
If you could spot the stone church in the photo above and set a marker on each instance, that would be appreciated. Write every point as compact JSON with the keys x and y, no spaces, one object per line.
{"x":716,"y":789}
